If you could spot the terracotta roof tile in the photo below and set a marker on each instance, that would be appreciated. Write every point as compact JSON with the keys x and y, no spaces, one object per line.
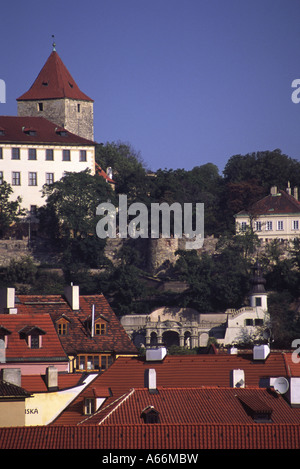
{"x":198,"y":405}
{"x":158,"y":436}
{"x":79,"y":339}
{"x":45,"y":132}
{"x":54,"y":81}
{"x":18,"y":349}
{"x":178,"y":371}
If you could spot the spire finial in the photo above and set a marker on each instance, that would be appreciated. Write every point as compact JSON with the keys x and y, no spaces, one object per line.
{"x":53,"y":44}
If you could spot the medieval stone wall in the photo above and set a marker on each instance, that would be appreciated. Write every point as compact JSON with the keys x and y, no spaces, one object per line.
{"x":74,"y":115}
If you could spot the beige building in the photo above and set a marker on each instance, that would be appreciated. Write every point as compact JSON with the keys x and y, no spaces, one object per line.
{"x":275,"y":217}
{"x":186,"y":327}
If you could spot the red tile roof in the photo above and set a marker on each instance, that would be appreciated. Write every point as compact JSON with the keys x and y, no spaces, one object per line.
{"x":45,"y":132}
{"x":37,"y":383}
{"x":9,"y":390}
{"x":18,"y":349}
{"x":197,"y":405}
{"x":78,"y":339}
{"x":102,"y":173}
{"x":154,"y":436}
{"x":178,"y":371}
{"x":53,"y":82}
{"x":281,"y":203}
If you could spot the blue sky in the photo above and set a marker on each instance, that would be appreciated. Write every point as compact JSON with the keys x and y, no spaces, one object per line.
{"x":184,"y":82}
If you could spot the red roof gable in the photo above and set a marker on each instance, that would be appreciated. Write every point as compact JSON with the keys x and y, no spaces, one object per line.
{"x":53,"y":82}
{"x":16,"y":129}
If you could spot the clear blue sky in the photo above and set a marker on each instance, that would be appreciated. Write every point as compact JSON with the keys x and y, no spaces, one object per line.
{"x":184,"y":82}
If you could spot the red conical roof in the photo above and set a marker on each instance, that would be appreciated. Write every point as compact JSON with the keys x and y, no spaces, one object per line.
{"x":54,"y":81}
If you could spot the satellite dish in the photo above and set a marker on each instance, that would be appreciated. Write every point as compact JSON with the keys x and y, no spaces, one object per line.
{"x":281,"y":385}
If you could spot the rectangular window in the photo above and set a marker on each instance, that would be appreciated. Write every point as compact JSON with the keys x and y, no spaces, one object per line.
{"x":62,"y":328}
{"x":89,"y":406}
{"x":49,"y":178}
{"x":78,"y":107}
{"x":258,"y":301}
{"x":269,"y":226}
{"x":49,"y":154}
{"x":243,"y":226}
{"x":1,"y":153}
{"x":280,"y":225}
{"x":1,"y":177}
{"x":82,"y":155}
{"x":15,"y":153}
{"x":34,"y":341}
{"x":31,"y":153}
{"x":295,"y":225}
{"x":248,"y":322}
{"x":258,"y":322}
{"x":32,"y":179}
{"x":66,"y":155}
{"x":258,"y":226}
{"x":16,"y":178}
{"x":100,"y":329}
{"x":40,"y":107}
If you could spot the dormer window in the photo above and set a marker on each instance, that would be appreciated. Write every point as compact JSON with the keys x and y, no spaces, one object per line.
{"x":100,"y":327}
{"x":4,"y":333}
{"x":62,"y":326}
{"x":33,"y":336}
{"x":150,"y":415}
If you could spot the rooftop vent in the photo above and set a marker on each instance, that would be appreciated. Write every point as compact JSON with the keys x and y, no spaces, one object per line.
{"x":261,"y":352}
{"x":238,"y":378}
{"x":156,"y":354}
{"x":150,"y":415}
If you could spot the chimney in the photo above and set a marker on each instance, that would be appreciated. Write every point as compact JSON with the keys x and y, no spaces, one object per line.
{"x":273,"y":190}
{"x":51,"y":378}
{"x":11,"y":375}
{"x":261,"y":352}
{"x":288,"y":189}
{"x":296,"y":193}
{"x":238,"y":378}
{"x":150,"y":380}
{"x":7,"y":301}
{"x":72,"y":296}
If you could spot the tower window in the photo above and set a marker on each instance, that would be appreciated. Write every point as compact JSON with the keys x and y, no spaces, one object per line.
{"x":40,"y":107}
{"x":82,"y":155}
{"x":258,"y":301}
{"x":78,"y":107}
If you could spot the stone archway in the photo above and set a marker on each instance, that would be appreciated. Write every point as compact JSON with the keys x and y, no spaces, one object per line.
{"x":170,"y":338}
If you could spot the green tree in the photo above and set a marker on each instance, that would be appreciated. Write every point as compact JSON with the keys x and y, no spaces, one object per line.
{"x":129,"y":170}
{"x":10,"y":210}
{"x":69,"y":216}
